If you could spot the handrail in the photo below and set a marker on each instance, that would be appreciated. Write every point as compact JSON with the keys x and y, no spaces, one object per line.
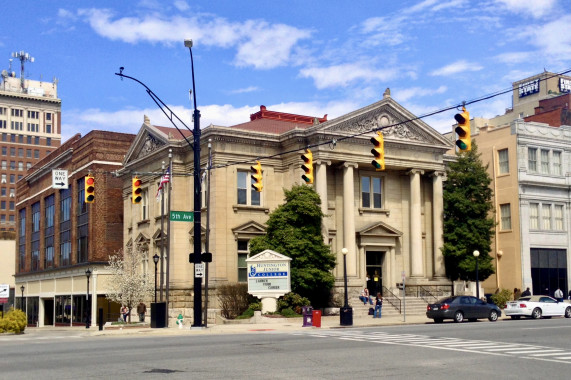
{"x":393,"y":300}
{"x":423,"y":292}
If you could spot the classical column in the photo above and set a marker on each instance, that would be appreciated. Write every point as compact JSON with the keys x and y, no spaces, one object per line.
{"x":321,"y":189}
{"x":437,"y":224}
{"x":416,"y":263}
{"x":349,"y":217}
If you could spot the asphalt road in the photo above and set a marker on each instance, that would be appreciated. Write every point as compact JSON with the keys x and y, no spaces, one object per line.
{"x":522,"y":349}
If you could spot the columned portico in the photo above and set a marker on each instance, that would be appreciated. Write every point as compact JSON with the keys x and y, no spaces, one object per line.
{"x":415,"y":224}
{"x":321,"y":189}
{"x":349,"y":217}
{"x":437,"y":224}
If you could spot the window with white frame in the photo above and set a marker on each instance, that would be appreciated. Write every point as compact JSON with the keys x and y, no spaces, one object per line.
{"x":504,"y":162}
{"x":532,"y":159}
{"x":558,"y":217}
{"x":144,"y":205}
{"x":534,"y":216}
{"x":546,"y":216}
{"x":246,"y":194}
{"x":544,"y":161}
{"x":243,"y":251}
{"x":556,"y":162}
{"x":506,"y":217}
{"x":371,"y":192}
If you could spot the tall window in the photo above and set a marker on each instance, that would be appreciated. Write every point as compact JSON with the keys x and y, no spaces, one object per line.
{"x":506,"y":217}
{"x":556,"y":161}
{"x":49,"y":204}
{"x":22,"y":240}
{"x":544,"y":161}
{"x":246,"y":194}
{"x":82,"y":223}
{"x":504,"y":161}
{"x":144,"y":204}
{"x":558,"y":217}
{"x":65,"y":227}
{"x":532,"y":159}
{"x":371,"y":194}
{"x":546,"y":216}
{"x":36,"y":236}
{"x":243,"y":251}
{"x":534,"y":216}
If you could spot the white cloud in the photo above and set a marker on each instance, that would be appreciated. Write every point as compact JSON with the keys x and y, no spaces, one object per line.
{"x":534,"y":8}
{"x":181,"y":5}
{"x":514,"y":57}
{"x":456,"y":67}
{"x":345,"y":74}
{"x":259,"y":44}
{"x":553,"y":38}
{"x":402,"y":95}
{"x":244,"y":90}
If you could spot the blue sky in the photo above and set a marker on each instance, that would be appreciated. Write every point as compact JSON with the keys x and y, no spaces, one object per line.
{"x":307,"y":57}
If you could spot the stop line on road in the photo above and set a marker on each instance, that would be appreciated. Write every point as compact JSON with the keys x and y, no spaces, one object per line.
{"x":521,"y":351}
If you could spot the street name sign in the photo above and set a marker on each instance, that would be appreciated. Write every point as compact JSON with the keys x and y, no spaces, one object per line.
{"x":59,"y":179}
{"x":182,"y":216}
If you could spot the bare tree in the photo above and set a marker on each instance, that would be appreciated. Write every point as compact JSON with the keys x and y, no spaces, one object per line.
{"x":128,"y":284}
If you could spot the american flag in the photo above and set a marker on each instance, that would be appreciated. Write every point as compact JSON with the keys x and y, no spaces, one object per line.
{"x":166,"y":178}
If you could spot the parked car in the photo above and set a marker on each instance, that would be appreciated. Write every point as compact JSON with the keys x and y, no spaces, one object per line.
{"x":459,"y":308}
{"x":536,"y":307}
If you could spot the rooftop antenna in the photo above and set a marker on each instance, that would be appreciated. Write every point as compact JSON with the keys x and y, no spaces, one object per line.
{"x":23,"y":57}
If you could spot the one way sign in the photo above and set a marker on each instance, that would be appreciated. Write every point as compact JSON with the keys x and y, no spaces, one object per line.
{"x":59,"y":179}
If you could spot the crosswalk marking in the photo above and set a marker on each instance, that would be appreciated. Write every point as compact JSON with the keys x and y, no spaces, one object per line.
{"x":518,"y":350}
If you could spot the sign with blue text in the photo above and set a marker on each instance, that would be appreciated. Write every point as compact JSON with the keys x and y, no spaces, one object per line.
{"x":269,"y":274}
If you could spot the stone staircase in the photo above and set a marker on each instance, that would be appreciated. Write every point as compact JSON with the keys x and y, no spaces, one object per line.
{"x":414,"y":306}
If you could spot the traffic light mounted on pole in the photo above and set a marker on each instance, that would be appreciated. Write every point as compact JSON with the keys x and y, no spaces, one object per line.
{"x":378,"y":151}
{"x":307,"y":157}
{"x":464,"y":142}
{"x":137,"y":191}
{"x":89,"y":192}
{"x":257,"y":177}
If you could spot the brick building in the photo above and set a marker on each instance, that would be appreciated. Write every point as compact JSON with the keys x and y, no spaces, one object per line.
{"x":59,"y":236}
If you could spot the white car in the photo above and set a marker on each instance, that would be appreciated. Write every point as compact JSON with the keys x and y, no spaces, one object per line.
{"x":537,"y":307}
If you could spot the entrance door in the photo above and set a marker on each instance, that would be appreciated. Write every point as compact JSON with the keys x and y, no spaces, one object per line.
{"x":548,"y":271}
{"x":48,"y":312}
{"x":374,"y":269}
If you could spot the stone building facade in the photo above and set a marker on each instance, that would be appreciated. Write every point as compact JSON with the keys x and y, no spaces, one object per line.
{"x":390,"y":221}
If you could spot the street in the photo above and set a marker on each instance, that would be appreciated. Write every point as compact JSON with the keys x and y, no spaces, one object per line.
{"x":471,"y":350}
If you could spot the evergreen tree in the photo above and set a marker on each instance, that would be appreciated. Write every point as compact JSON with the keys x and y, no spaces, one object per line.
{"x":468,"y":225}
{"x":294,"y":230}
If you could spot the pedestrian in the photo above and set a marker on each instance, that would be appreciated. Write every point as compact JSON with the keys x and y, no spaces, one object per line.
{"x":364,"y":297}
{"x":86,"y":319}
{"x":124,"y":313}
{"x":526,"y":293}
{"x":141,"y":310}
{"x":558,"y":295}
{"x":517,"y":294}
{"x":569,"y":296}
{"x":378,"y":306}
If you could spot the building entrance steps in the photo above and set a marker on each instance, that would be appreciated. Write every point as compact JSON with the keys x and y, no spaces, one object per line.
{"x":414,"y":306}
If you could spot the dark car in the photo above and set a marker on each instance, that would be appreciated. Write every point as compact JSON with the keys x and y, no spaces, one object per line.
{"x":459,"y":308}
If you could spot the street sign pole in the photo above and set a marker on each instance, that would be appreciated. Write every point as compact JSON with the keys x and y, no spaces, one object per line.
{"x":404,"y":295}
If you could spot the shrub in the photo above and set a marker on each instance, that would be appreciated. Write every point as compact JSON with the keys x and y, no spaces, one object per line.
{"x":249,"y":313}
{"x":292,"y":301}
{"x":13,"y":321}
{"x":234,"y":299}
{"x":501,"y":298}
{"x":289,"y":313}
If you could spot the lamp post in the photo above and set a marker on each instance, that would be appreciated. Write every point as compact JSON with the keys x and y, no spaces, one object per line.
{"x":22,"y":300}
{"x":346,"y":313}
{"x":88,"y":316}
{"x":476,"y":253}
{"x":156,"y":260}
{"x":196,"y":259}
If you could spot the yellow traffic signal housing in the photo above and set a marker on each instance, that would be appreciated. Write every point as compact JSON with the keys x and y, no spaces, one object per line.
{"x":307,"y":167}
{"x":257,"y":177}
{"x":378,"y":151}
{"x":464,"y":142}
{"x":137,"y":191}
{"x":89,"y":191}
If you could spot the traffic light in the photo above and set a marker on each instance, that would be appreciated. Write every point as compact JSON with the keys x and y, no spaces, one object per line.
{"x":378,"y":151}
{"x":137,"y":190}
{"x":464,"y":142}
{"x":307,"y":157}
{"x":257,"y":177}
{"x":89,"y":192}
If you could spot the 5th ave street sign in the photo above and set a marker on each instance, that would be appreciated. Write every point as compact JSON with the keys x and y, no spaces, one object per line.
{"x":182,"y":216}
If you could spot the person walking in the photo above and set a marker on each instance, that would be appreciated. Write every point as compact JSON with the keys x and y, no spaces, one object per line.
{"x":378,"y":306}
{"x":141,"y":310}
{"x":124,"y":313}
{"x":558,"y":295}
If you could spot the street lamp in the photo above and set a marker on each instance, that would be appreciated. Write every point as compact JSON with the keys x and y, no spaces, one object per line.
{"x":22,"y":300}
{"x":156,"y":260}
{"x":346,"y":313}
{"x":196,"y":259}
{"x":476,"y":253}
{"x":88,"y":316}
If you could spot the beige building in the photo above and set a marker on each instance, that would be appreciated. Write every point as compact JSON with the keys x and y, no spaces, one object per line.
{"x":390,"y":221}
{"x":529,"y":162}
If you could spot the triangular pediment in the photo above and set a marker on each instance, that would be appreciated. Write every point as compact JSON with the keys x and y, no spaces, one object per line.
{"x":158,"y":235}
{"x":379,"y":229}
{"x":249,"y":229}
{"x":148,"y":140}
{"x":268,"y":255}
{"x":402,"y":125}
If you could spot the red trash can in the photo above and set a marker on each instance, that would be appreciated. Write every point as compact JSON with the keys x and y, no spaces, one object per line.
{"x":316,"y":318}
